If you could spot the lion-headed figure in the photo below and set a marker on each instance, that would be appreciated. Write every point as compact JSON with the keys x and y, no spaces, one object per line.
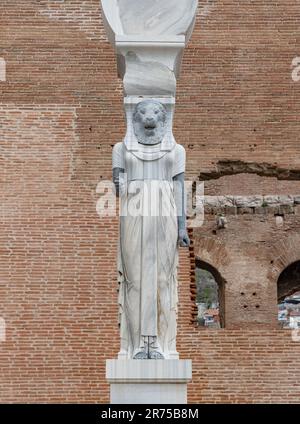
{"x":149,"y":122}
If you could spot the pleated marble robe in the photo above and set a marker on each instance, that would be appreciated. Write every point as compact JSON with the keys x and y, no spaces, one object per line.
{"x":148,"y":254}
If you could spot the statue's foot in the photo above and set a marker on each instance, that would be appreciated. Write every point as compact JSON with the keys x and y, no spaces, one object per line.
{"x":154,"y":354}
{"x":141,"y":355}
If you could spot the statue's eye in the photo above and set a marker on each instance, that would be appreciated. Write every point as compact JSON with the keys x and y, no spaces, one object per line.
{"x":143,"y":111}
{"x":156,"y":112}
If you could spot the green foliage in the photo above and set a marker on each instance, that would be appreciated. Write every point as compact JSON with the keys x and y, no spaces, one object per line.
{"x":207,"y":288}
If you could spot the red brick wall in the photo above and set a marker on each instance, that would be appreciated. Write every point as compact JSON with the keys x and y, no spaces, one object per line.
{"x":60,"y":114}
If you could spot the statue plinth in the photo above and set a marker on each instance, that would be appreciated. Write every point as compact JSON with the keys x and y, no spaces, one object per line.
{"x":148,"y":381}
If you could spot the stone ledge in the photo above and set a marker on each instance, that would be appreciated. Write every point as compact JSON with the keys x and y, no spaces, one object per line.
{"x":232,"y":205}
{"x":148,"y":371}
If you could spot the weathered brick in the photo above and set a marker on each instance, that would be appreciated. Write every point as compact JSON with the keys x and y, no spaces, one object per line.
{"x":61,"y":112}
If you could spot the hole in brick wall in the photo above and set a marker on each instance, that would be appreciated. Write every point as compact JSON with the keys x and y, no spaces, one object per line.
{"x":288,"y":292}
{"x":245,"y":306}
{"x":235,"y":167}
{"x":210,"y":296}
{"x":242,"y":294}
{"x":257,"y":306}
{"x":254,"y":294}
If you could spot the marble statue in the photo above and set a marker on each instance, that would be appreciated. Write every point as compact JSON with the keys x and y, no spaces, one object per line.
{"x":149,"y":38}
{"x":149,"y":174}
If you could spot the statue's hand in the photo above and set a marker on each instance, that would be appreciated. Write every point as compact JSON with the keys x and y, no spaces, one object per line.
{"x":119,"y":181}
{"x":183,"y":239}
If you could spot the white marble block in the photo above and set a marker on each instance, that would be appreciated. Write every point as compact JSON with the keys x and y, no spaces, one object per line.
{"x":149,"y":37}
{"x":148,"y":381}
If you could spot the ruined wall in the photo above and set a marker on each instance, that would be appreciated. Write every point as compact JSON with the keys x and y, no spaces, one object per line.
{"x":241,"y":362}
{"x":60,"y":113}
{"x":250,"y":253}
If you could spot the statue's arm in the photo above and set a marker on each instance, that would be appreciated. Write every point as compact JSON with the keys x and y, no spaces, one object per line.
{"x":179,"y":193}
{"x":116,"y":179}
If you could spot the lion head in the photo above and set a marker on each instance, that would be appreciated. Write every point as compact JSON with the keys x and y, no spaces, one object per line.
{"x":149,"y":121}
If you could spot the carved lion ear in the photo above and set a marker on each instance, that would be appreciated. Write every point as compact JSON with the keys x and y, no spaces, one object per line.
{"x":135,"y":114}
{"x":164,"y":112}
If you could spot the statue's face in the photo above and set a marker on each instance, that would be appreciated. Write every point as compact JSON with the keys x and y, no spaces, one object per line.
{"x":149,"y":120}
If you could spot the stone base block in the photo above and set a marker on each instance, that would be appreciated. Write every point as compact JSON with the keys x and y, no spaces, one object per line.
{"x":148,"y":381}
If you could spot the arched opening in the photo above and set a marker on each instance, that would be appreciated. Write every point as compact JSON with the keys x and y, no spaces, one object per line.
{"x":288,"y":290}
{"x":210,"y":297}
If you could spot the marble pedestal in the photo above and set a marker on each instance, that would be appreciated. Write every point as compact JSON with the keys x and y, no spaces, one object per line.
{"x":148,"y":381}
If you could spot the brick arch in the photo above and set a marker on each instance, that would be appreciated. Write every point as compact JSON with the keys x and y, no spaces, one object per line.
{"x":289,"y":281}
{"x":284,"y":253}
{"x":211,"y":254}
{"x":211,"y":251}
